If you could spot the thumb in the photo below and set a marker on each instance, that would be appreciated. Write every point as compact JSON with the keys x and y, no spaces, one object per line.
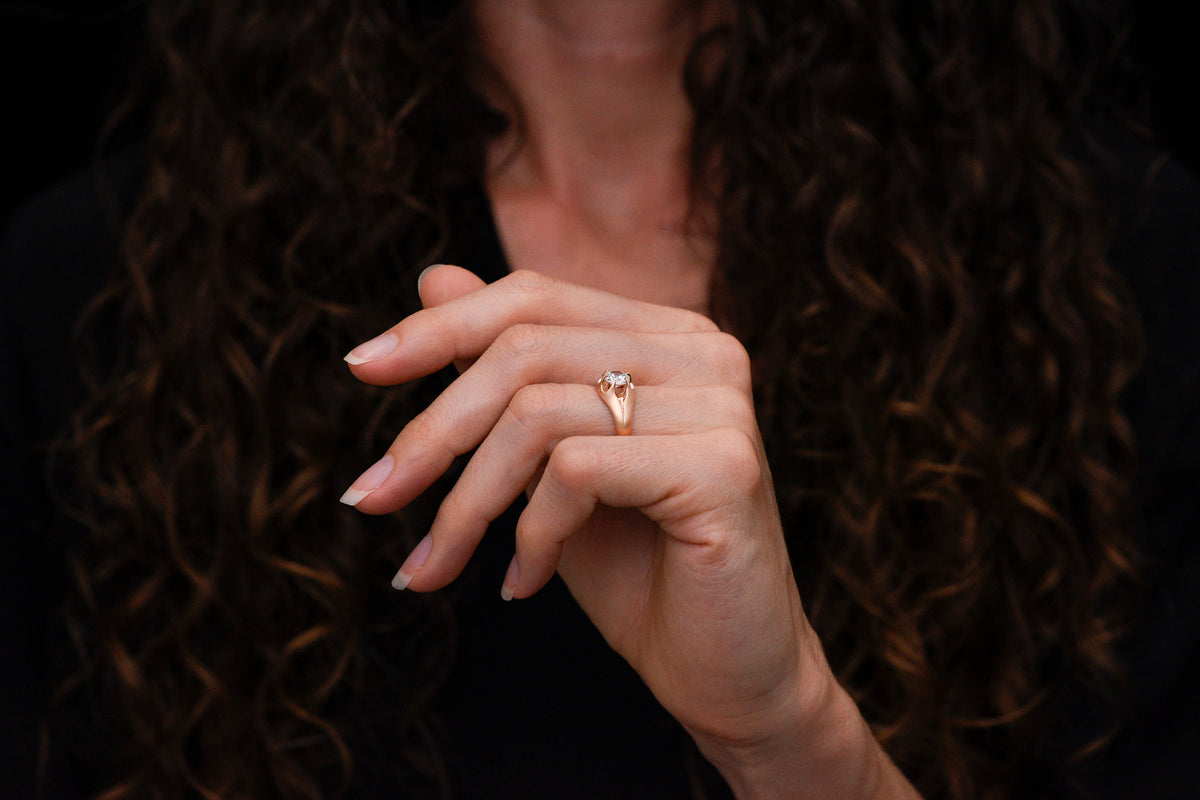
{"x":442,"y":283}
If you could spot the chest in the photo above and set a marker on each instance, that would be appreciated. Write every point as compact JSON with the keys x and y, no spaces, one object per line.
{"x":656,"y":255}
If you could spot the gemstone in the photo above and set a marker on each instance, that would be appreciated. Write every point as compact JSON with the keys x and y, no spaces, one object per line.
{"x":616,"y":379}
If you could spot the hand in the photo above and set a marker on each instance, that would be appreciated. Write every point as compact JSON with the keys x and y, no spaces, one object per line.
{"x":669,"y":539}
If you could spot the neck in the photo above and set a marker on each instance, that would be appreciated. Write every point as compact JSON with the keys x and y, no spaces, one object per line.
{"x":597,"y":87}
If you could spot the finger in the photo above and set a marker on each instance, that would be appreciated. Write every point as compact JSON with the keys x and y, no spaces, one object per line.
{"x":459,"y":419}
{"x":694,"y":486}
{"x":441,"y":283}
{"x":538,"y":418}
{"x":461,"y":329}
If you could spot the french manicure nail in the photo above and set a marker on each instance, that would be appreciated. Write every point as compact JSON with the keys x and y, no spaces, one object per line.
{"x":369,"y":481}
{"x":412,"y":565}
{"x":510,"y":580}
{"x":373,"y":350}
{"x":425,"y":272}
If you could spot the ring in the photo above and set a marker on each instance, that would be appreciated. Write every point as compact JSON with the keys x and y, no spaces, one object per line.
{"x":617,"y":391}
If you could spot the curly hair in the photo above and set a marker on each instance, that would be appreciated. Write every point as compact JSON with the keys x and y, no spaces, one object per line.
{"x":938,"y":394}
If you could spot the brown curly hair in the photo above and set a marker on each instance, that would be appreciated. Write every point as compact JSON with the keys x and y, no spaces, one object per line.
{"x":938,"y":391}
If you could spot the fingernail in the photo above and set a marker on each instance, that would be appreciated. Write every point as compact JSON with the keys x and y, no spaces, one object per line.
{"x":373,"y":350}
{"x":369,"y":481}
{"x":425,"y":272}
{"x":412,"y":565}
{"x":510,"y":580}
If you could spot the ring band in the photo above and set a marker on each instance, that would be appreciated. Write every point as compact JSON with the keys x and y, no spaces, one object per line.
{"x":617,"y":391}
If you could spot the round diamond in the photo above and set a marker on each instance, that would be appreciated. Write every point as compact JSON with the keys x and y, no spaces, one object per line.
{"x":617,"y":378}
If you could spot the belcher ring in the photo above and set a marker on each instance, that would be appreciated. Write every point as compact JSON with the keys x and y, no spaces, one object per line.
{"x":617,"y":391}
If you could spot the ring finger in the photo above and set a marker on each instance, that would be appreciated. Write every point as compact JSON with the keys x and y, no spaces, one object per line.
{"x":459,"y":419}
{"x":537,"y":419}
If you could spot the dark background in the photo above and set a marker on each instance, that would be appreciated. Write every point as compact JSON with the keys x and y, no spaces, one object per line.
{"x":63,"y":65}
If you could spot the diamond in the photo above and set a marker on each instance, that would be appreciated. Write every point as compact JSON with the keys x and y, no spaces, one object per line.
{"x":616,"y":379}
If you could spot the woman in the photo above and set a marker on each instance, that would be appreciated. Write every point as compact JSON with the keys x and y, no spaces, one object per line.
{"x":853,"y":245}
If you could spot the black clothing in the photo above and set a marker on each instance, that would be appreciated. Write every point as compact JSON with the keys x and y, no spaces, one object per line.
{"x":561,"y":715}
{"x":534,"y":681}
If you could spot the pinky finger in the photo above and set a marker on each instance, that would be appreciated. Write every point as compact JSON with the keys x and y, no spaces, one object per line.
{"x":687,"y":484}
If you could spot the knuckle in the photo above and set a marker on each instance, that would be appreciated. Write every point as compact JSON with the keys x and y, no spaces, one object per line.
{"x":699,"y":323}
{"x":535,"y":406}
{"x":730,"y":355}
{"x":523,"y":339}
{"x":573,"y":464}
{"x":454,"y":511}
{"x":738,"y":455}
{"x":424,"y":427}
{"x":530,"y":281}
{"x":733,"y":405}
{"x":526,"y":537}
{"x":424,"y":438}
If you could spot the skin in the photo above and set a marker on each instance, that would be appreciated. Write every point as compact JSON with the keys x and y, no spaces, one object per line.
{"x":669,"y":539}
{"x":593,"y":187}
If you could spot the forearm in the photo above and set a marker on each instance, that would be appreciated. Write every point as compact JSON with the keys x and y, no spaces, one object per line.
{"x":830,"y":753}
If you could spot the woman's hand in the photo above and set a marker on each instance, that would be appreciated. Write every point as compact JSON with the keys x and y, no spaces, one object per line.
{"x":669,"y":539}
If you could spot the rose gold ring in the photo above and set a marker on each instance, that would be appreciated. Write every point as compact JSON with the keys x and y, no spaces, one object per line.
{"x":617,"y":391}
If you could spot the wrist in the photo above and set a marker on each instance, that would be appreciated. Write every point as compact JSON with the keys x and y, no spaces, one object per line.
{"x":824,"y":749}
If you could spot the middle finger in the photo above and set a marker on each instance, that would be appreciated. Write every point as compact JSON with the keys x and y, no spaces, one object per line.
{"x":459,"y":419}
{"x":537,"y":419}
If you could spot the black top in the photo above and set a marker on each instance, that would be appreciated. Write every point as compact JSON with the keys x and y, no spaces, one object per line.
{"x":539,"y":705}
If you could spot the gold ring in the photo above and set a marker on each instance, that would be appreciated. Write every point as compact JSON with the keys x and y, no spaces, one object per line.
{"x":617,"y":391}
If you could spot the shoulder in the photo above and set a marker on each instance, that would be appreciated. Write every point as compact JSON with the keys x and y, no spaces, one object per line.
{"x":57,"y":241}
{"x":1155,"y":206}
{"x":56,"y":252}
{"x":1155,"y":203}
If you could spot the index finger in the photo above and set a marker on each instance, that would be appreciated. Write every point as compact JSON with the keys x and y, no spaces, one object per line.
{"x":463,"y":328}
